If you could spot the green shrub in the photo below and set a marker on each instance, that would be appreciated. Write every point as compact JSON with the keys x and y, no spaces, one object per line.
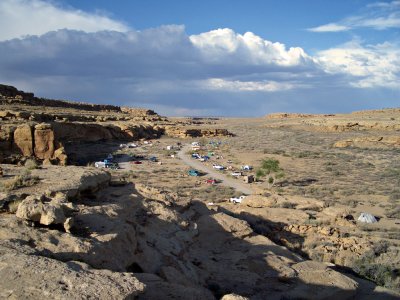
{"x":31,"y":164}
{"x":370,"y":267}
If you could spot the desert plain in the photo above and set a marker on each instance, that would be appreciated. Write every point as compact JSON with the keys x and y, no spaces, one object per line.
{"x":142,"y":227}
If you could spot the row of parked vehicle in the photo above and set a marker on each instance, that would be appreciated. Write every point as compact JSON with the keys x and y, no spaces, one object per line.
{"x":107,"y":163}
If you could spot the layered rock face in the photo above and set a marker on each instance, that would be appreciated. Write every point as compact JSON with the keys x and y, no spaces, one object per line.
{"x":295,"y":115}
{"x":195,"y":132}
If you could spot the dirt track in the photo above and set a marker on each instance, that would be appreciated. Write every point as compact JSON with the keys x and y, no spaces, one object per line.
{"x":234,"y":183}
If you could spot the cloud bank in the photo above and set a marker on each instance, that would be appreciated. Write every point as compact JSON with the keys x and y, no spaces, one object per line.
{"x":19,"y":18}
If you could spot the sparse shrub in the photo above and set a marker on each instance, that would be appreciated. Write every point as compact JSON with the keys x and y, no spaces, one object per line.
{"x":393,"y":212}
{"x":271,"y":167}
{"x":18,"y":182}
{"x":394,"y":196}
{"x":31,"y":164}
{"x":370,"y":267}
{"x":287,"y":204}
{"x":353,"y":203}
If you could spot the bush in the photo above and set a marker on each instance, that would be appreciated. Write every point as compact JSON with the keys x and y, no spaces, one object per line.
{"x":271,"y":167}
{"x":288,"y":205}
{"x":31,"y":164}
{"x":369,"y":267}
{"x":19,"y":181}
{"x":393,"y":212}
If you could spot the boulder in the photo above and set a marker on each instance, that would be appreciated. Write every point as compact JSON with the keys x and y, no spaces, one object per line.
{"x":61,"y":156}
{"x":46,"y":213}
{"x":23,"y":139}
{"x":30,"y":209}
{"x":44,"y":141}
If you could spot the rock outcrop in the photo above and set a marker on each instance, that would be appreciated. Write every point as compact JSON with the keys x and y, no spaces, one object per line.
{"x":374,"y":142}
{"x":23,"y":139}
{"x":47,"y":140}
{"x":180,"y":132}
{"x":295,"y":115}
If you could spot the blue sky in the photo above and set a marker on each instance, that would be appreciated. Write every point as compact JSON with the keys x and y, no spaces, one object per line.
{"x":221,"y":57}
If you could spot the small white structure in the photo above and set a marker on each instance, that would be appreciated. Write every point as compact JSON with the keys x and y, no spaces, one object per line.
{"x":367,"y":218}
{"x":100,"y":164}
{"x":218,"y":167}
{"x":247,"y":168}
{"x":237,"y":173}
{"x":237,"y":199}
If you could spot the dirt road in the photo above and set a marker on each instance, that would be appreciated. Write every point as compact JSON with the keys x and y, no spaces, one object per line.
{"x":234,"y":183}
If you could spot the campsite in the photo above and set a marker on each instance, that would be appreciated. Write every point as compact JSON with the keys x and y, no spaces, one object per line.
{"x":200,"y":150}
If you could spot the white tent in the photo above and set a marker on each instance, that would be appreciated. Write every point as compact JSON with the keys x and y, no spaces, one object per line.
{"x":367,"y":218}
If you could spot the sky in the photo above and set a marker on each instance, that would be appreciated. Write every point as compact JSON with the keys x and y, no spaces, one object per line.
{"x":206,"y":58}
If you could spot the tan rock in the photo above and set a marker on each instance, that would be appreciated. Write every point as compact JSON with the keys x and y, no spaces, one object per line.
{"x":47,"y":162}
{"x":36,"y":277}
{"x":23,"y":139}
{"x":68,"y":224}
{"x":30,"y":209}
{"x":52,"y":215}
{"x":44,"y":141}
{"x":61,"y":156}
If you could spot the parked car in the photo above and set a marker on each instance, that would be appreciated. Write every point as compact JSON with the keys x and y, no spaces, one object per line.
{"x":218,"y":167}
{"x":211,"y":181}
{"x":247,"y":168}
{"x":106,"y":164}
{"x":236,"y":174}
{"x":193,"y":172}
{"x":237,"y":199}
{"x":153,"y":159}
{"x":136,"y":162}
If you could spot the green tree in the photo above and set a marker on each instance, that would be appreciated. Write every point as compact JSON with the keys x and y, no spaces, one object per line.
{"x":270,"y":167}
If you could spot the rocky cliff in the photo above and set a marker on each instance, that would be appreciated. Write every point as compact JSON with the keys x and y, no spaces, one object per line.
{"x":47,"y":140}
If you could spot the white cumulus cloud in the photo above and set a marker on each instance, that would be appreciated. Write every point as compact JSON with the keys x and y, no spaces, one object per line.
{"x":227,"y":45}
{"x":19,"y":18}
{"x":371,"y":66}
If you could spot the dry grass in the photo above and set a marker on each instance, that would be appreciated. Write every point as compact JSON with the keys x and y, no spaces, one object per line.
{"x":18,"y":181}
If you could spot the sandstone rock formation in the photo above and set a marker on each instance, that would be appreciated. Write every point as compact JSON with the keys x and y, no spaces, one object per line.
{"x":36,"y":277}
{"x":23,"y":139}
{"x":375,"y":142}
{"x":295,"y":115}
{"x":44,"y":141}
{"x":179,"y":132}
